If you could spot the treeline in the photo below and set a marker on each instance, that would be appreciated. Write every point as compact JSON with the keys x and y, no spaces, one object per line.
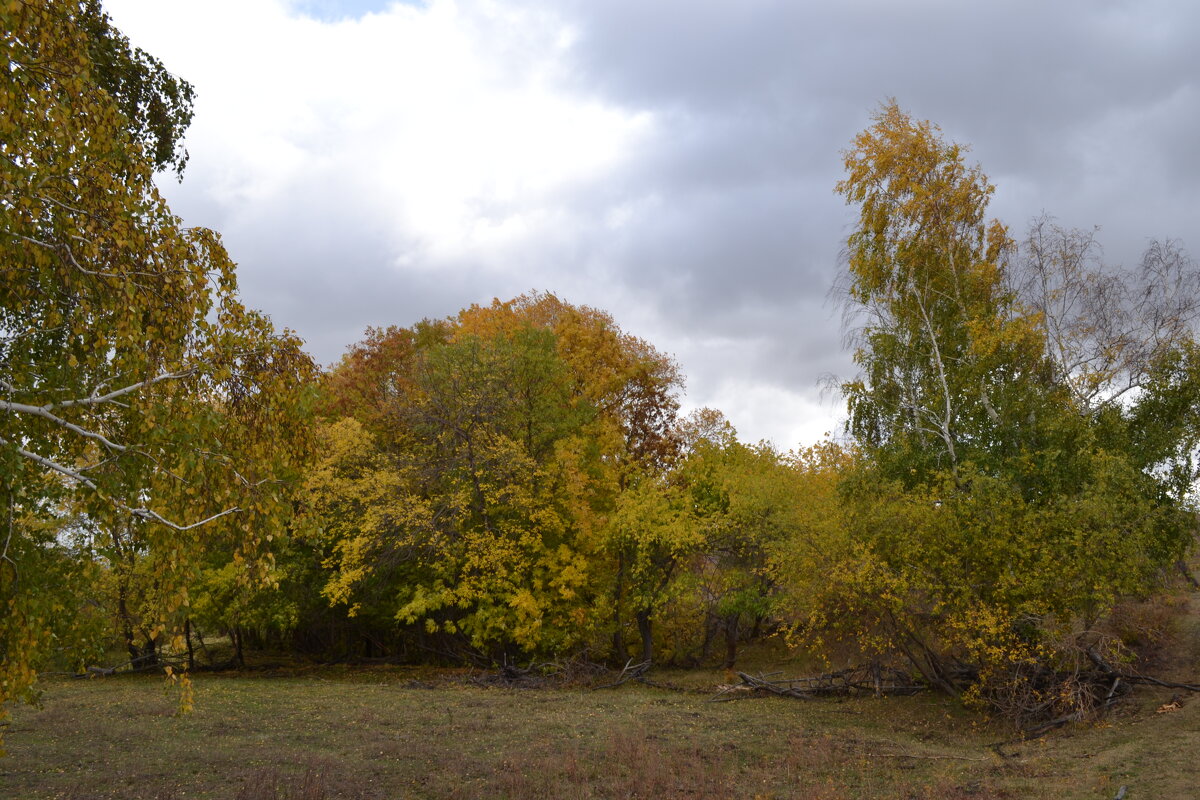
{"x":516,"y":482}
{"x":508,"y":484}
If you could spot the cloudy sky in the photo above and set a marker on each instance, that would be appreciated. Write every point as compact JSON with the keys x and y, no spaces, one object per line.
{"x":375,"y":163}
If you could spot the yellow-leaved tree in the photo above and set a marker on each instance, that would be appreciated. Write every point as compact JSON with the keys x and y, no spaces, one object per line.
{"x":472,"y":467}
{"x":135,"y":388}
{"x":1002,"y":503}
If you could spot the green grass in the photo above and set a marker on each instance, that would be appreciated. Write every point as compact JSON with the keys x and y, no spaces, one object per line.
{"x":380,"y":733}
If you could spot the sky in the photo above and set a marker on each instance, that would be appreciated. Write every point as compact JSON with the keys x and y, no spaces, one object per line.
{"x":375,"y":163}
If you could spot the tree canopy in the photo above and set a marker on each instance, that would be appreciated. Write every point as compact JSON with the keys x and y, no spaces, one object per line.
{"x":488,"y":452}
{"x":1002,"y":506}
{"x":136,"y":389}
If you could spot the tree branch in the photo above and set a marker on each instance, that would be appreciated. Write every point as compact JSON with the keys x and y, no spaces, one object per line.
{"x":44,"y":413}
{"x":142,"y":513}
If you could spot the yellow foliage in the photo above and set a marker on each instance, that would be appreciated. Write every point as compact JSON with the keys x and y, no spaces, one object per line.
{"x":484,"y":476}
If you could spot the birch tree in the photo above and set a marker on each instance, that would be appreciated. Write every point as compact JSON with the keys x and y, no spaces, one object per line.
{"x":134,"y":385}
{"x":1024,"y":428}
{"x":942,"y":347}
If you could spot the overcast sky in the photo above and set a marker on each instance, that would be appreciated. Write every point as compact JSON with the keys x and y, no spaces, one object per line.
{"x":375,"y":163}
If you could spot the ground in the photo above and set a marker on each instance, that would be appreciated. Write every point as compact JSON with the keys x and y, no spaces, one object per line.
{"x":385,"y":732}
{"x":399,"y":733}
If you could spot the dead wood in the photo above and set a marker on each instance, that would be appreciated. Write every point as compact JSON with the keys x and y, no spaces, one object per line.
{"x":512,"y":676}
{"x":630,"y":672}
{"x":539,"y":675}
{"x":923,"y":757}
{"x":866,"y":679}
{"x":1146,"y":679}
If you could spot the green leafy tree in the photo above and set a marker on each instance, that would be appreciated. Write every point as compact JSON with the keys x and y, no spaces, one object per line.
{"x":654,"y":536}
{"x":135,"y":387}
{"x":1002,"y":506}
{"x":951,"y":368}
{"x":157,"y":105}
{"x":490,"y":422}
{"x":742,"y":500}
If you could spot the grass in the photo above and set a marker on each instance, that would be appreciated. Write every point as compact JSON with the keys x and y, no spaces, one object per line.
{"x":397,"y":733}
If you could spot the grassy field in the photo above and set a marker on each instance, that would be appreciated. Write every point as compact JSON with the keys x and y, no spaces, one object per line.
{"x":396,"y":733}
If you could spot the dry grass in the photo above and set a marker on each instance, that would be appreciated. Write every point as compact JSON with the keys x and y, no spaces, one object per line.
{"x":382,"y":733}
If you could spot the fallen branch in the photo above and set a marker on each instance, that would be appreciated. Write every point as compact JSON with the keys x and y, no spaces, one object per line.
{"x":628,"y":673}
{"x":870,"y":679}
{"x":1146,"y":679}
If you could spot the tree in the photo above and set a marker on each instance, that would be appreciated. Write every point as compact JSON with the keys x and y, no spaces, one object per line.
{"x":134,"y":386}
{"x":1120,"y":341}
{"x":157,"y":105}
{"x":948,"y":361}
{"x":743,"y":501}
{"x":653,"y":536}
{"x":469,"y":495}
{"x":1106,"y":329}
{"x":491,"y":428}
{"x":1003,"y":503}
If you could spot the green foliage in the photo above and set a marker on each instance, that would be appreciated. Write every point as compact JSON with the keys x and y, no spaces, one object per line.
{"x":491,"y":419}
{"x":156,"y":104}
{"x":652,"y":527}
{"x":467,"y":493}
{"x":743,"y":501}
{"x":136,"y":389}
{"x":952,"y":370}
{"x":46,"y":617}
{"x":1000,"y":507}
{"x":514,"y":480}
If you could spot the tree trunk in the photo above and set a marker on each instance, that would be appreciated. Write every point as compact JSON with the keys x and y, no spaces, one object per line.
{"x":200,"y":639}
{"x":238,"y":656}
{"x":127,"y":628}
{"x":710,"y":632}
{"x":644,"y":628}
{"x":620,"y":649}
{"x":731,"y":639}
{"x":187,"y":637}
{"x":1182,"y":566}
{"x":149,"y":652}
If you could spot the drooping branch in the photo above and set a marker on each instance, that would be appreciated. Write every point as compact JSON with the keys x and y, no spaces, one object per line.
{"x":154,"y":516}
{"x":140,"y":512}
{"x":44,"y":413}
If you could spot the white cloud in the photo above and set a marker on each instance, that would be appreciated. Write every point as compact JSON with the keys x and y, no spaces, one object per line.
{"x":448,"y":119}
{"x":790,"y":420}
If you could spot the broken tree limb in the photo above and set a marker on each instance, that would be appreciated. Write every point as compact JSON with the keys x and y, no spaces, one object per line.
{"x":628,"y":673}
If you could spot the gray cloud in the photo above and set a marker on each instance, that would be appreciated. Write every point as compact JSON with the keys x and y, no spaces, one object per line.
{"x":713,"y":228}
